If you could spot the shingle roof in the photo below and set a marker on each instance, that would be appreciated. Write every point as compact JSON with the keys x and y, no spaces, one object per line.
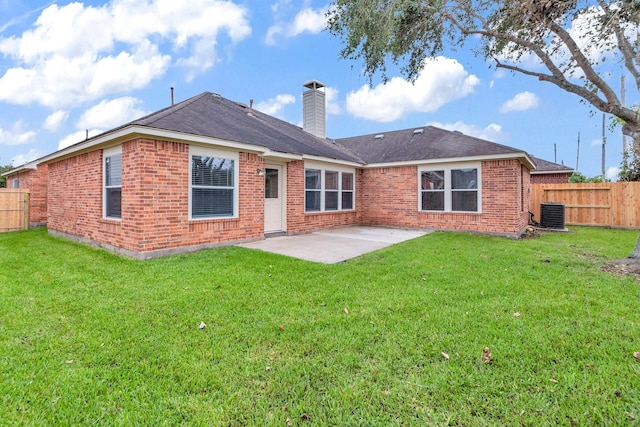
{"x":210,"y":115}
{"x":419,"y":144}
{"x":213,"y":116}
{"x":544,"y":166}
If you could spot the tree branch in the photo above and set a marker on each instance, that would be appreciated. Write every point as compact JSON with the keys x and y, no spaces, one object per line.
{"x":582,"y":61}
{"x":562,"y":83}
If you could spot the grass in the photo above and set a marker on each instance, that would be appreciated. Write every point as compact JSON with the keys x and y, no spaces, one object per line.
{"x":91,"y":338}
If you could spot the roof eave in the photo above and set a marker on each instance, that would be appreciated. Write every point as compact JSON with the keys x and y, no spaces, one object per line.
{"x":133,"y":131}
{"x":26,"y":167}
{"x":522,"y":156}
{"x":547,"y":172}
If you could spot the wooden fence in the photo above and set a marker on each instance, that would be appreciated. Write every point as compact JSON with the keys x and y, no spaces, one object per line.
{"x":14,"y":209}
{"x":611,"y":204}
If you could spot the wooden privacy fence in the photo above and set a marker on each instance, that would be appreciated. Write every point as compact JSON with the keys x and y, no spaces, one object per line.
{"x":610,"y":204}
{"x":14,"y":209}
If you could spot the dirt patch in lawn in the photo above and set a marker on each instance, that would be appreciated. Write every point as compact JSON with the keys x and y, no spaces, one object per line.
{"x":623,"y":267}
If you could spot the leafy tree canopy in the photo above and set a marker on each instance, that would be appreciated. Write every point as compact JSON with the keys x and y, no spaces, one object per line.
{"x":3,"y":179}
{"x":573,"y":44}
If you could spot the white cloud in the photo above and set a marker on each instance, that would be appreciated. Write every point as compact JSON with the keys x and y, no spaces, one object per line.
{"x":492,"y":132}
{"x":612,"y":173}
{"x":109,"y":114}
{"x":76,"y":137}
{"x":77,"y":53}
{"x":521,"y":102}
{"x":308,"y":20}
{"x":274,"y":106}
{"x":331,"y":97}
{"x":17,"y":135}
{"x":53,"y":122}
{"x":441,"y":81}
{"x":21,"y":159}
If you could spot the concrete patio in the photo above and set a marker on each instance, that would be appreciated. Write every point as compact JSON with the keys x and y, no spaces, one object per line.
{"x":335,"y":245}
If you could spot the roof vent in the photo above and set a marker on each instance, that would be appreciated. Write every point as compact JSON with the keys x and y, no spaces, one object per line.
{"x":458,"y":132}
{"x":417,"y":131}
{"x":379,"y":136}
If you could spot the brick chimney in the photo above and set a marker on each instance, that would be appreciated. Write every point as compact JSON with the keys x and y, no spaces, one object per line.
{"x":314,"y":109}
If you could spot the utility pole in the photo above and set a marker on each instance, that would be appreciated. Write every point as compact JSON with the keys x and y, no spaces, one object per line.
{"x":625,"y":153}
{"x":604,"y":143}
{"x":555,"y":153}
{"x":578,"y":153}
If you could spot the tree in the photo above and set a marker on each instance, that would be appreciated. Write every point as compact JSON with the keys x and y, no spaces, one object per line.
{"x":3,"y":179}
{"x":576,"y":44}
{"x":579,"y":178}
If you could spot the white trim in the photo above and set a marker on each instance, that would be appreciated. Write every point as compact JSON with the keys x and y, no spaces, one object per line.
{"x":517,"y":156}
{"x":328,"y":161}
{"x":108,"y":152}
{"x":282,"y":168}
{"x":447,"y":184}
{"x":535,"y":172}
{"x":277,"y":156}
{"x":314,"y":164}
{"x":224,"y":154}
{"x":130,"y":132}
{"x":31,"y":166}
{"x":325,"y":167}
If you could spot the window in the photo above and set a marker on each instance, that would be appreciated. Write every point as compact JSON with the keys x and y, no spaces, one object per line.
{"x":331,"y":191}
{"x":113,"y":182}
{"x":432,"y":190}
{"x":328,"y":190}
{"x":450,"y":190}
{"x":347,"y":190}
{"x":15,"y":183}
{"x":464,"y":190}
{"x":271,"y":184}
{"x":213,"y":184}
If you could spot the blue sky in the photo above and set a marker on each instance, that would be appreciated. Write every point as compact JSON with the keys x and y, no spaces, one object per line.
{"x":68,"y":68}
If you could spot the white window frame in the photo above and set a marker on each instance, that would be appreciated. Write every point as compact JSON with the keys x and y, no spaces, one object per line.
{"x":15,"y":183}
{"x":222,"y":154}
{"x":107,"y":153}
{"x":324,"y":168}
{"x":447,"y":168}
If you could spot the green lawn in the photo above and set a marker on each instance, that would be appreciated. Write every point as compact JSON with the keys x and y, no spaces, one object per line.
{"x":91,"y":338}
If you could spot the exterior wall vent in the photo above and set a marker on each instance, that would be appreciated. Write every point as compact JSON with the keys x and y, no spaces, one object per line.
{"x":552,"y":215}
{"x":314,"y":109}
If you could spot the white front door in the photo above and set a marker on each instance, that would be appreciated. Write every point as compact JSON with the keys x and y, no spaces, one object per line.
{"x":273,"y":198}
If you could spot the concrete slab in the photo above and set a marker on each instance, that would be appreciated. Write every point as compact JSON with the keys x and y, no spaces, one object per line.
{"x":335,"y":245}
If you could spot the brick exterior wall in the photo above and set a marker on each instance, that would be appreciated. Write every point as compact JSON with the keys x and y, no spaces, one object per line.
{"x":389,"y":197}
{"x":300,"y":222}
{"x":36,"y":182}
{"x":550,"y":178}
{"x":155,"y":202}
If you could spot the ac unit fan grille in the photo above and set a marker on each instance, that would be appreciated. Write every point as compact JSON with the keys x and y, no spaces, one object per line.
{"x":552,"y":215}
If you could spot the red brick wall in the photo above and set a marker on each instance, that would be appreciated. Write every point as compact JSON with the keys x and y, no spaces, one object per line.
{"x":300,"y":222}
{"x":155,"y":201}
{"x":550,"y":178}
{"x":75,"y":195}
{"x":389,"y":197}
{"x":36,"y":182}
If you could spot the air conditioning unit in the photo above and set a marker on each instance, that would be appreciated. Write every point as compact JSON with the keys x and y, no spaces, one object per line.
{"x":552,"y":215}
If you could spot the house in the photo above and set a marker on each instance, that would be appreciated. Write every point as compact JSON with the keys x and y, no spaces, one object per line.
{"x":210,"y":171}
{"x":550,"y":173}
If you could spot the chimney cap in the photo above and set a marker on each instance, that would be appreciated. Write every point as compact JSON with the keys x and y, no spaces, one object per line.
{"x":313,"y":84}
